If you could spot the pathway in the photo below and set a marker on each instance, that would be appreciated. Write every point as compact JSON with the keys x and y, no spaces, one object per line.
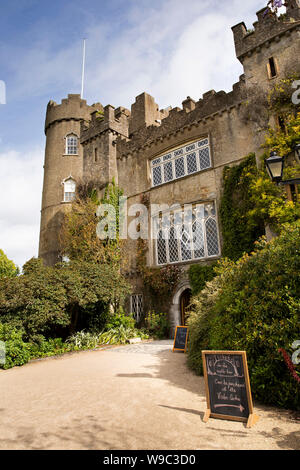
{"x":140,"y":396}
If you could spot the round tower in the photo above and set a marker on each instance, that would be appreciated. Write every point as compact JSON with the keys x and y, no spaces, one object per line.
{"x":63,"y":167}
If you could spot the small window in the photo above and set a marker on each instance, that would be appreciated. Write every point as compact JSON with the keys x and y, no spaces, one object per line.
{"x":272,"y":68}
{"x":96,"y":155}
{"x":281,"y":123}
{"x":292,"y":192}
{"x":71,"y":145}
{"x":69,"y":190}
{"x":136,"y":306}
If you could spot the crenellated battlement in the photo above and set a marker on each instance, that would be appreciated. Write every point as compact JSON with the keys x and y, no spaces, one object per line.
{"x":109,"y":118}
{"x":268,"y":27}
{"x":71,"y":108}
{"x":211,"y":105}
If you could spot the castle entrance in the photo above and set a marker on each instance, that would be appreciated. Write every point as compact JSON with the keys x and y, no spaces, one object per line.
{"x":185,"y":300}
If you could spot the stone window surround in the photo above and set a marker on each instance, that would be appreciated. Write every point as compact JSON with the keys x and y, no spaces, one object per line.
{"x":136,"y":306}
{"x":173,"y":149}
{"x":66,"y":180}
{"x":70,"y":134}
{"x":153,"y":240}
{"x":270,"y":76}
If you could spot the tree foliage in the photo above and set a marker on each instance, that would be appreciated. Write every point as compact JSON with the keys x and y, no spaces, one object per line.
{"x":7,"y":267}
{"x":56,"y":301}
{"x":253,"y":305}
{"x":79,"y":240}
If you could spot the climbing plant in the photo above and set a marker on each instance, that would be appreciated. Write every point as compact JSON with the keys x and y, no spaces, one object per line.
{"x":239,"y":227}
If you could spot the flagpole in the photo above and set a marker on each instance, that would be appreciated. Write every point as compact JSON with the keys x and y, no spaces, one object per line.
{"x":83,"y":70}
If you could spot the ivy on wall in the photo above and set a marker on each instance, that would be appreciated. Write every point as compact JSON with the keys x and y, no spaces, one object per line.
{"x":199,"y":274}
{"x":238,"y":229}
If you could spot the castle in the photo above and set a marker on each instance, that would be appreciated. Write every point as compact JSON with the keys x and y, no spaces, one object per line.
{"x":172,"y":156}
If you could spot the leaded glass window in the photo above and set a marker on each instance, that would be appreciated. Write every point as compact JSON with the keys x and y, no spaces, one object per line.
{"x":187,"y":234}
{"x":136,"y":306}
{"x":186,"y":160}
{"x":71,"y":145}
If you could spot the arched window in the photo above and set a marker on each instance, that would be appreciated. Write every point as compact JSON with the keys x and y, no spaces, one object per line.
{"x":69,"y":189}
{"x":194,"y":238}
{"x":71,"y":144}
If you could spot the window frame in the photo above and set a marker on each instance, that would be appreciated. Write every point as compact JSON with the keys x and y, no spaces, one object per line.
{"x":276,"y":68}
{"x":175,"y":155}
{"x":72,"y":135}
{"x":203,"y":222}
{"x":68,"y":199}
{"x":139,"y":304}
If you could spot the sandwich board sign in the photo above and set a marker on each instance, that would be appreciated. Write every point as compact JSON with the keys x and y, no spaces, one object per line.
{"x":180,"y":339}
{"x":227,"y":386}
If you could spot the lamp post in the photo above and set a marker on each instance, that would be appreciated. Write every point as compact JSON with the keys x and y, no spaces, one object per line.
{"x":275,"y":165}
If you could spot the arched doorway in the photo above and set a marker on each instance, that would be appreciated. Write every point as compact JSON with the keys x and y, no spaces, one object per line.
{"x":185,"y":300}
{"x":175,"y":308}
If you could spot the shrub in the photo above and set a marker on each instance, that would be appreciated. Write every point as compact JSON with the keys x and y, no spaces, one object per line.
{"x":83,"y":340}
{"x":121,"y":335}
{"x":42,"y":347}
{"x":254,"y":306}
{"x":157,"y":324}
{"x":16,"y":351}
{"x":199,"y":275}
{"x":120,"y":319}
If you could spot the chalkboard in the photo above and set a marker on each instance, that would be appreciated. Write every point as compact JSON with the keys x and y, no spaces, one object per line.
{"x":228,"y":392}
{"x":180,"y":339}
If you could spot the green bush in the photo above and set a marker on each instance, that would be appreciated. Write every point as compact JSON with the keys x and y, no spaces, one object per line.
{"x":120,"y":319}
{"x":83,"y":340}
{"x":43,"y":347}
{"x":253,"y":305}
{"x":199,"y":275}
{"x":157,"y":324}
{"x":16,"y":351}
{"x":121,"y":335}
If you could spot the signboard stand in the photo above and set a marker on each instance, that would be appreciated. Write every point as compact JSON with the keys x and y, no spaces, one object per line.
{"x":227,"y":385}
{"x":180,"y":338}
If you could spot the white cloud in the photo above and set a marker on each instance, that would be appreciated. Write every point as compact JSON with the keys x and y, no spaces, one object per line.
{"x":20,"y":196}
{"x":169,"y":48}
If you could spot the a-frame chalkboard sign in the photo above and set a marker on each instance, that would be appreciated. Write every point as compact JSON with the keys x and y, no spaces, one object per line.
{"x":180,"y":339}
{"x":227,"y":385}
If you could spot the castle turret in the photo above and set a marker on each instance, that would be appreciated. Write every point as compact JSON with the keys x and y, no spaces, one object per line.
{"x":268,"y":53}
{"x":270,"y":49}
{"x":63,"y":167}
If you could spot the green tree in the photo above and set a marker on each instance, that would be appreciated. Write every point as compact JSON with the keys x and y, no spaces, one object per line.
{"x":79,"y":240}
{"x":7,"y":267}
{"x":56,"y":301}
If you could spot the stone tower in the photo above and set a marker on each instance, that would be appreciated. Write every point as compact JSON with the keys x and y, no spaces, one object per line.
{"x":268,"y":53}
{"x":62,"y":168}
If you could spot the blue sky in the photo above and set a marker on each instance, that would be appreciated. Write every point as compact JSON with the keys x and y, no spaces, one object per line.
{"x":168,"y":48}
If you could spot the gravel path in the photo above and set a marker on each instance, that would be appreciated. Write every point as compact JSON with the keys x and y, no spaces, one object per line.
{"x":140,"y":396}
